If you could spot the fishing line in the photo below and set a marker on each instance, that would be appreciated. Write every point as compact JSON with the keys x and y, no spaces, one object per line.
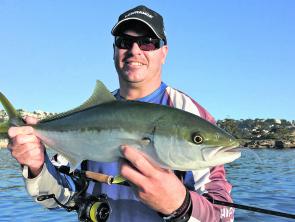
{"x":250,"y":208}
{"x":247,"y":152}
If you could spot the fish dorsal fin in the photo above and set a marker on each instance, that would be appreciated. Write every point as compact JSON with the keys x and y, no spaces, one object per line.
{"x":99,"y":96}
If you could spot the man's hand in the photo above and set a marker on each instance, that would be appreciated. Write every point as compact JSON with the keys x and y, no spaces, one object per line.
{"x":159,"y":188}
{"x":26,"y":148}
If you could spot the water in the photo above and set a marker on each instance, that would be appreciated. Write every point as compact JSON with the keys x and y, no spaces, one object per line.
{"x":15,"y":203}
{"x":269,"y":183}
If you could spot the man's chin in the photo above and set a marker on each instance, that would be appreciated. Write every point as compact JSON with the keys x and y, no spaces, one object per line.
{"x":131,"y":78}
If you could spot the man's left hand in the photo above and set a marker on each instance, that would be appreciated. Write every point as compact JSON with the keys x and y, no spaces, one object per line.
{"x":159,"y":188}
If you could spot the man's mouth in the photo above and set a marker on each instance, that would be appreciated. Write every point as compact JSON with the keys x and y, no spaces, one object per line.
{"x":134,"y":63}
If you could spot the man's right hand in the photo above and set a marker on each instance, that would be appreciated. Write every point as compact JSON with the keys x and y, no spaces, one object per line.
{"x":26,"y":148}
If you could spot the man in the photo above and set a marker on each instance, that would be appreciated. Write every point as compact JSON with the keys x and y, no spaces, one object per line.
{"x":140,"y":50}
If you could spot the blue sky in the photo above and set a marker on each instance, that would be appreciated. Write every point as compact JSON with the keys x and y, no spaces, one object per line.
{"x":235,"y":57}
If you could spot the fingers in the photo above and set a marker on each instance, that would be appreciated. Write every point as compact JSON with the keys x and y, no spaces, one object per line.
{"x":26,"y":151}
{"x":131,"y":174}
{"x":23,"y":139}
{"x":23,"y":130}
{"x":159,"y":188}
{"x":26,"y":148}
{"x":138,"y":160}
{"x":31,"y":120}
{"x":20,"y":138}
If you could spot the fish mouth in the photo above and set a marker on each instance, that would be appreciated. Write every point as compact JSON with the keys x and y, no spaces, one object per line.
{"x":209,"y":153}
{"x":233,"y":149}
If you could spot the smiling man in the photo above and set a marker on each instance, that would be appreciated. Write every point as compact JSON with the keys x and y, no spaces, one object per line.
{"x":156,"y":194}
{"x":139,"y":55}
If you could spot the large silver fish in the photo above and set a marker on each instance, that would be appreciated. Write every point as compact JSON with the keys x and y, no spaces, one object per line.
{"x":171,"y":137}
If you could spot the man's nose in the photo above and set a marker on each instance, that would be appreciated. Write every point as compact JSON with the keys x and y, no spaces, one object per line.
{"x":135,"y":49}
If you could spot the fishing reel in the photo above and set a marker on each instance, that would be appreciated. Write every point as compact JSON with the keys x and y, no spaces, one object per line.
{"x":89,"y":208}
{"x":94,"y":208}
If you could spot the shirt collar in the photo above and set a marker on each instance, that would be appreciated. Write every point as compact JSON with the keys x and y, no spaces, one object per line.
{"x":147,"y":98}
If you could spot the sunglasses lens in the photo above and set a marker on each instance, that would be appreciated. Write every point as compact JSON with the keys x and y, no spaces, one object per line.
{"x":147,"y":44}
{"x":123,"y":43}
{"x":144,"y":43}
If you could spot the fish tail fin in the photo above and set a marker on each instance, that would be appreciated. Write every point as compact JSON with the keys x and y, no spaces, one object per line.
{"x":14,"y":118}
{"x":4,"y":127}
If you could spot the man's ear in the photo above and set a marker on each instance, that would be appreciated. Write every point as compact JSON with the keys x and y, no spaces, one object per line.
{"x":165,"y":52}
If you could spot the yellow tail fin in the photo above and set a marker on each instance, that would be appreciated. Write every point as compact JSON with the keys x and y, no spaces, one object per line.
{"x":14,"y":117}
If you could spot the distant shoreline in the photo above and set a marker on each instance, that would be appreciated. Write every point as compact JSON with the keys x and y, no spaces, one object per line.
{"x":267,"y":144}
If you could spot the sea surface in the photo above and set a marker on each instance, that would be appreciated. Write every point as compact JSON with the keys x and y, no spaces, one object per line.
{"x":266,"y":182}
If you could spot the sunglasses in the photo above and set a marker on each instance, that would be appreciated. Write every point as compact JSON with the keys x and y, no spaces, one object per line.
{"x":144,"y":43}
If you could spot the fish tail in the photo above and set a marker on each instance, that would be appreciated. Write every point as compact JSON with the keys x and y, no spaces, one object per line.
{"x":4,"y":127}
{"x":14,"y":118}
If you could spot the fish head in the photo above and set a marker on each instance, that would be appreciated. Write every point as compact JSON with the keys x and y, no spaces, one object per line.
{"x":193,"y":143}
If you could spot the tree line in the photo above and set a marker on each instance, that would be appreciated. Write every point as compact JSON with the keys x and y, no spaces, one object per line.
{"x":275,"y":129}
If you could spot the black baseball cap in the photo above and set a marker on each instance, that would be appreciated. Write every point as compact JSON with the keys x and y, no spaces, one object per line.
{"x":143,"y":14}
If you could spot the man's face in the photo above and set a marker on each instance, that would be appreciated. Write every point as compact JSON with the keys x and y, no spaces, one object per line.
{"x":138,"y":66}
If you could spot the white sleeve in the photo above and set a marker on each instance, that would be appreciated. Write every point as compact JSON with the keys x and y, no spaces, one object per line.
{"x":45,"y":183}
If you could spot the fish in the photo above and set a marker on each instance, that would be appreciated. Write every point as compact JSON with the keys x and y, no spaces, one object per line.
{"x":170,"y":137}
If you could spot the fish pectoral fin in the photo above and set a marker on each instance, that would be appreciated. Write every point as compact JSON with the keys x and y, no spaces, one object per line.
{"x":99,"y":96}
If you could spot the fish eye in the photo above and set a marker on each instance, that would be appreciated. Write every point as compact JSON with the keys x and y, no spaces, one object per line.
{"x":197,"y":138}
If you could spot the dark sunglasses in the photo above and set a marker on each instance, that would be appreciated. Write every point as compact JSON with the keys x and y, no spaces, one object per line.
{"x":144,"y":43}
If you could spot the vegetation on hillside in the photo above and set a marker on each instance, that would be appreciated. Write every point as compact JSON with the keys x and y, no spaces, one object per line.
{"x":259,"y":129}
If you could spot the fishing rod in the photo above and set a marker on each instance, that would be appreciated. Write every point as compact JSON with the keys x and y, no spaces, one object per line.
{"x":250,"y":208}
{"x":120,"y":181}
{"x":103,"y":178}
